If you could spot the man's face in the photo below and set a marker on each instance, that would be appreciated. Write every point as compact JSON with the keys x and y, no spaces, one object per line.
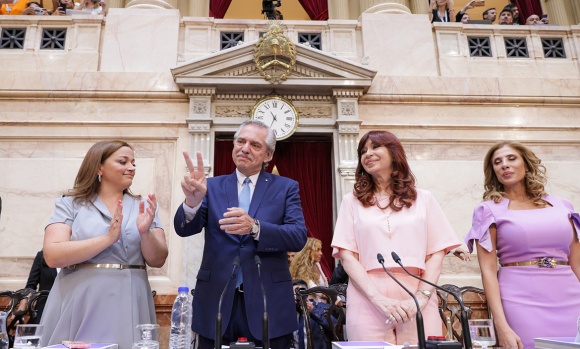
{"x":250,"y":150}
{"x":506,"y":18}
{"x":491,"y":15}
{"x":533,"y":19}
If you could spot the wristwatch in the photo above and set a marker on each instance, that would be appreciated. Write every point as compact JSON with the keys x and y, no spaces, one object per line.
{"x":255,"y":228}
{"x":425,"y":293}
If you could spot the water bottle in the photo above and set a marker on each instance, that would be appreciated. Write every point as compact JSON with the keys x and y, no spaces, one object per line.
{"x":3,"y":333}
{"x":180,"y":332}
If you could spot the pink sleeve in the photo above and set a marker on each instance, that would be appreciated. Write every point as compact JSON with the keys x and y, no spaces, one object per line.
{"x":344,"y":228}
{"x":482,"y":220}
{"x":574,"y":216}
{"x":440,"y":233}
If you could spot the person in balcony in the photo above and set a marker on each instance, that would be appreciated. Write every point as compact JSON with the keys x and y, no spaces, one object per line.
{"x":386,"y":213}
{"x":441,"y":11}
{"x":536,"y":290}
{"x":461,"y":14}
{"x":506,"y":17}
{"x":102,"y":236}
{"x":95,"y":7}
{"x":490,"y":14}
{"x":13,"y":7}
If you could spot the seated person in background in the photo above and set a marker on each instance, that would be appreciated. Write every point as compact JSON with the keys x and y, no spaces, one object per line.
{"x":506,"y":17}
{"x":306,"y":264}
{"x":515,"y":13}
{"x":461,"y":13}
{"x":95,"y":7}
{"x":490,"y":14}
{"x":441,"y":11}
{"x":339,"y":275}
{"x":291,"y":256}
{"x":41,"y":278}
{"x":318,"y":324}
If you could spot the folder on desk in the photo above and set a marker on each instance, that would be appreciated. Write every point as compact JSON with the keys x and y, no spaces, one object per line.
{"x":556,"y":343}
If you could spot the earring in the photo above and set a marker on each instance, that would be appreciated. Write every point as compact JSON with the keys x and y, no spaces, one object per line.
{"x":99,"y":178}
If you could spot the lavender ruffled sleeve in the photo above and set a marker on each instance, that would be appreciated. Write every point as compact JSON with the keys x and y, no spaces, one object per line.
{"x":482,"y":220}
{"x":574,"y":216}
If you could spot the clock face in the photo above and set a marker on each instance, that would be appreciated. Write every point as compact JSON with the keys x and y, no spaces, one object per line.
{"x":278,"y":113}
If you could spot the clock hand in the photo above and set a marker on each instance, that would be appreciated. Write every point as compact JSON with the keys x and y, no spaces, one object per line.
{"x":274,"y":117}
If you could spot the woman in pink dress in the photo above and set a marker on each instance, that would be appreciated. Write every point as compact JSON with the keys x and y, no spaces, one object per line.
{"x":385,"y":213}
{"x":536,"y":292}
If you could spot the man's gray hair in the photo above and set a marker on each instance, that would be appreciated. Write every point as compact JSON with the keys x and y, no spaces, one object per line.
{"x":270,"y":138}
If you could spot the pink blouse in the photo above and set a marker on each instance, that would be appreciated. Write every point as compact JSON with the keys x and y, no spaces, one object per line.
{"x":416,"y":232}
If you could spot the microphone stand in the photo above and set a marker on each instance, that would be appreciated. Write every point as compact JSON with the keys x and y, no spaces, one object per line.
{"x":218,"y":320}
{"x":464,"y":322}
{"x":418,"y":316}
{"x":265,"y":339}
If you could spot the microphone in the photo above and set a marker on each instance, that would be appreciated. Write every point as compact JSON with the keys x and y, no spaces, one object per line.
{"x":418,"y":316}
{"x":218,"y":320}
{"x":464,"y":322}
{"x":265,"y":339}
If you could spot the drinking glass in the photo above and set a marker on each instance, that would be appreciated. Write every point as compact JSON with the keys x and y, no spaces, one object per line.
{"x":147,"y":341}
{"x":482,"y":333}
{"x":28,"y":336}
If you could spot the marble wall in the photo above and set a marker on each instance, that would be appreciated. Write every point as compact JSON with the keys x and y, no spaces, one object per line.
{"x":115,"y":82}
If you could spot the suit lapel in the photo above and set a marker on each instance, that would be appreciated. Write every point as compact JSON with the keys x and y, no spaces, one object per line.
{"x":232,"y":190}
{"x":264,"y":181}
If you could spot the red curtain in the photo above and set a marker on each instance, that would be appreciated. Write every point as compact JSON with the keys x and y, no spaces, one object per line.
{"x":528,"y":8}
{"x":317,"y":10}
{"x":309,"y":164}
{"x":218,"y":8}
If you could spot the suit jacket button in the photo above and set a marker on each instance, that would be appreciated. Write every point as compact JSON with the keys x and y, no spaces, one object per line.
{"x":241,"y":245}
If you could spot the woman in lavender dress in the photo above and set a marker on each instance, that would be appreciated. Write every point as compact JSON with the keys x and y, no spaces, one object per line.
{"x":536,"y":292}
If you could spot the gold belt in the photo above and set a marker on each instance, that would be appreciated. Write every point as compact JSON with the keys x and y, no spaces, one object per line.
{"x":542,"y":262}
{"x":106,"y":266}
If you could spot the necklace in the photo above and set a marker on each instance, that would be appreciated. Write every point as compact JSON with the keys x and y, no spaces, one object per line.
{"x":388,"y":214}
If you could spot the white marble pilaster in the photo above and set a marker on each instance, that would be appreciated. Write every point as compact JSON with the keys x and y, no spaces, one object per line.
{"x":348,"y":125}
{"x":338,"y":9}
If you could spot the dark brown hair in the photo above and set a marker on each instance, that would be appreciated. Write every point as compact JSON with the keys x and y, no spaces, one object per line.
{"x":86,"y":183}
{"x":402,"y":186}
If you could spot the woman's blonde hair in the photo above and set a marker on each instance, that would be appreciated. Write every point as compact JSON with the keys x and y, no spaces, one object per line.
{"x":303,"y":266}
{"x":535,"y":179}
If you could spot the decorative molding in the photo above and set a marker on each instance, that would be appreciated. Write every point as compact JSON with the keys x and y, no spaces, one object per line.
{"x":348,"y":108}
{"x":232,"y":111}
{"x":197,"y":126}
{"x":318,"y":112}
{"x":256,"y":97}
{"x":200,"y":91}
{"x":199,"y":108}
{"x":347,"y":171}
{"x":341,"y":93}
{"x":350,"y":127}
{"x":180,"y":57}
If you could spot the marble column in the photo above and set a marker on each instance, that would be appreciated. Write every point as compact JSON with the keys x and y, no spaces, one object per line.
{"x":419,"y":6}
{"x":199,"y":8}
{"x":199,"y":127}
{"x":396,"y":4}
{"x":115,"y":3}
{"x":348,"y":123}
{"x":560,"y":12}
{"x":338,"y":9}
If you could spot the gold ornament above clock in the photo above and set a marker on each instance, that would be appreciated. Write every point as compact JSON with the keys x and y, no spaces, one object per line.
{"x":278,"y":113}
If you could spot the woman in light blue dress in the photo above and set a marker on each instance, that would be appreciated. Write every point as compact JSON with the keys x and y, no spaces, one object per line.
{"x":102,"y":236}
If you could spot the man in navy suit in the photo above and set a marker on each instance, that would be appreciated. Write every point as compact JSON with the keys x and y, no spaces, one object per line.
{"x":272,"y":225}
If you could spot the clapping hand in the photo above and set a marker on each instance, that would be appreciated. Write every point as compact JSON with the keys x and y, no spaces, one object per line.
{"x":145,"y":217}
{"x":116,"y":223}
{"x":194,"y":183}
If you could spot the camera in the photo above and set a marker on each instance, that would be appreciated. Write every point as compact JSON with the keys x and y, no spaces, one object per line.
{"x":39,"y":10}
